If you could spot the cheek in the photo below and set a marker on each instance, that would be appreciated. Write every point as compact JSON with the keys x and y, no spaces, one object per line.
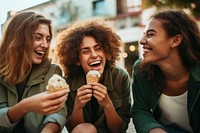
{"x":83,"y":60}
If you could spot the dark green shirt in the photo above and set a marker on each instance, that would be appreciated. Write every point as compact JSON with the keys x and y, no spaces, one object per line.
{"x":117,"y":82}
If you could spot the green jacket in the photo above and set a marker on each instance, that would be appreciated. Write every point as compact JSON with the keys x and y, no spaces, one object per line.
{"x":117,"y":82}
{"x":33,"y":122}
{"x":145,"y":111}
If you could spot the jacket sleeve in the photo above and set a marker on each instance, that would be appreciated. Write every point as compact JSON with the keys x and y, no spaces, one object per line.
{"x":4,"y":120}
{"x":141,"y":112}
{"x":122,"y":105}
{"x":59,"y":117}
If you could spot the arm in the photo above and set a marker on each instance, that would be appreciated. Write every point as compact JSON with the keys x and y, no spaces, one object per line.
{"x":157,"y":130}
{"x":117,"y":110}
{"x":84,"y":94}
{"x":43,"y":103}
{"x":113,"y":120}
{"x":145,"y":98}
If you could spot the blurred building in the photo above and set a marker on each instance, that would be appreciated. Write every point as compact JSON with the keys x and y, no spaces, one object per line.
{"x":126,"y":17}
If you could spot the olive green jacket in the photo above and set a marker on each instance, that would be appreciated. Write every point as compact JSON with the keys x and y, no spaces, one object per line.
{"x":145,"y":111}
{"x":117,"y":82}
{"x":33,"y":122}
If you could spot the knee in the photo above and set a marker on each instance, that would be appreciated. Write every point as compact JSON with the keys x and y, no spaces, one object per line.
{"x":85,"y":128}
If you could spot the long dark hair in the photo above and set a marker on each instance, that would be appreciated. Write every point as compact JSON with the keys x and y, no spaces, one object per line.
{"x":177,"y":22}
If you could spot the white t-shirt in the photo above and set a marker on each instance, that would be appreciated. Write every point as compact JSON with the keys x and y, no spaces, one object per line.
{"x":174,"y":111}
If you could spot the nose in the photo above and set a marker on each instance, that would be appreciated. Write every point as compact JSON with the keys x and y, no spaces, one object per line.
{"x":143,"y":40}
{"x":45,"y":44}
{"x":94,"y":53}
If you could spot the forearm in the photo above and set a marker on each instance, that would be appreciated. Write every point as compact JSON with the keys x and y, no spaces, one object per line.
{"x":114,"y":121}
{"x":76,"y":117}
{"x":18,"y":111}
{"x":51,"y":128}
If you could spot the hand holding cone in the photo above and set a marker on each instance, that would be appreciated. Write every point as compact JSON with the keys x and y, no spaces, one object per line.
{"x":56,"y":83}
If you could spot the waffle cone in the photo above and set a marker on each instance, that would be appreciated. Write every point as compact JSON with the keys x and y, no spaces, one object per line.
{"x":56,"y":83}
{"x":92,"y":76}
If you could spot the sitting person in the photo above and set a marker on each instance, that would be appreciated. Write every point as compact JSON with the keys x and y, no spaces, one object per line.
{"x":102,"y":106}
{"x":166,"y":89}
{"x":25,"y":105}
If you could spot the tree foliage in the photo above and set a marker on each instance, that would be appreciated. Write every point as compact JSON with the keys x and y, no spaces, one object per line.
{"x":192,"y":5}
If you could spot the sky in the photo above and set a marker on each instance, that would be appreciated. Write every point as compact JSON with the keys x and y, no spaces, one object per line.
{"x":15,"y":5}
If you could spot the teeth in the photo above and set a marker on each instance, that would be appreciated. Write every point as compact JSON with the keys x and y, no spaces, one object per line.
{"x":40,"y":52}
{"x":146,"y":50}
{"x":96,"y":62}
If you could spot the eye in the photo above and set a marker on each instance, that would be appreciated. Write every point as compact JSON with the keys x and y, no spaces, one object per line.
{"x":98,"y":48}
{"x":85,"y":51}
{"x":149,"y":34}
{"x":37,"y":37}
{"x":48,"y":40}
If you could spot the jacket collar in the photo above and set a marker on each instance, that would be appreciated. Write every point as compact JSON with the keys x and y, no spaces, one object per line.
{"x":195,"y":73}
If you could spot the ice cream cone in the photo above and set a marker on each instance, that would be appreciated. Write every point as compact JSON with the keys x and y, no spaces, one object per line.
{"x":93,"y":76}
{"x":56,"y":83}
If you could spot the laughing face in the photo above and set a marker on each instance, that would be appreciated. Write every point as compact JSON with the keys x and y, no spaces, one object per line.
{"x":41,"y":43}
{"x":155,"y":43}
{"x":91,"y":55}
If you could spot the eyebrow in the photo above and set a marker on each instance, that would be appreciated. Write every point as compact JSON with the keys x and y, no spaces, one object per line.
{"x":97,"y":44}
{"x":151,"y":30}
{"x":39,"y":34}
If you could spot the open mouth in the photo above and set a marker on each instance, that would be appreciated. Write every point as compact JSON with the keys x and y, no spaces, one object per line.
{"x":146,"y":50}
{"x":95,"y":64}
{"x":40,"y":53}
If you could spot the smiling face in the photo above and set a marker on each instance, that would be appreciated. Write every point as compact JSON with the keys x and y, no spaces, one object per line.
{"x":91,"y":55}
{"x":41,"y":43}
{"x":155,"y":43}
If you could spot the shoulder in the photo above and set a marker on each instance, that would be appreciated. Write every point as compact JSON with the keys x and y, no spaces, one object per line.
{"x":136,"y":67}
{"x":119,"y":73}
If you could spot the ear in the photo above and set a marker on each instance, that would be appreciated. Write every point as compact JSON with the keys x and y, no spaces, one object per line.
{"x":176,"y":40}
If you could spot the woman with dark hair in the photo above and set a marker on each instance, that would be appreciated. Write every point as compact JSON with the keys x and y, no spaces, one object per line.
{"x":166,"y":87}
{"x":96,"y":107}
{"x":25,"y":105}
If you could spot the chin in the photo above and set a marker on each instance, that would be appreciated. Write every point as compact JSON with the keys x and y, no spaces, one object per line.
{"x":146,"y":61}
{"x":37,"y":62}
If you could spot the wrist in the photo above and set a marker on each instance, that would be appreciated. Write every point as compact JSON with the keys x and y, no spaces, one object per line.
{"x":25,"y":104}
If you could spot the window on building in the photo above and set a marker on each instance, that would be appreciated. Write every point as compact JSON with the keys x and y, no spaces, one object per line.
{"x":125,"y":6}
{"x":99,"y":8}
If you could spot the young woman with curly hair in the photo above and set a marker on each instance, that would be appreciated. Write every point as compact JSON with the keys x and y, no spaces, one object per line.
{"x":95,"y":107}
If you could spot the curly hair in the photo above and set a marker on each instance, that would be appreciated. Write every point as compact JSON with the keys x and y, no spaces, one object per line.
{"x":69,"y":40}
{"x":177,"y":22}
{"x":16,"y":44}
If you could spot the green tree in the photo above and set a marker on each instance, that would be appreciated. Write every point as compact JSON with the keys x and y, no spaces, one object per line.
{"x":192,"y":5}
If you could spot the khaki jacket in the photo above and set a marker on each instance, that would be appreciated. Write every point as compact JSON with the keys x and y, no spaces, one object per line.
{"x":33,"y":122}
